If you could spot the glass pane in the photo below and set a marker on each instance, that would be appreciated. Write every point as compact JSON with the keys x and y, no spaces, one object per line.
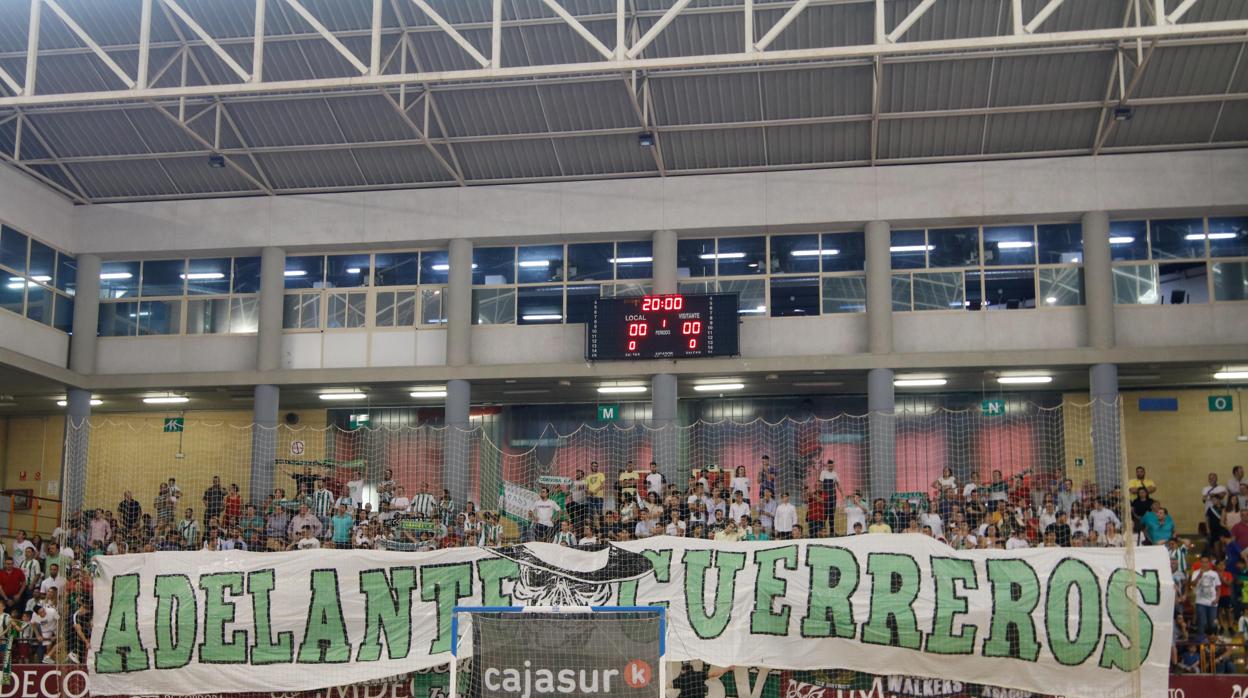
{"x":1013,"y":244}
{"x":941,"y":290}
{"x":695,"y":288}
{"x":540,"y":305}
{"x":493,"y":266}
{"x":1010,"y":289}
{"x":119,"y":319}
{"x":431,"y":307}
{"x":1136,"y":284}
{"x":42,"y":262}
{"x":434,"y":267}
{"x":629,"y":289}
{"x":305,"y":272}
{"x":540,"y":264}
{"x":751,"y":295}
{"x":13,"y":249}
{"x":844,"y":294}
{"x":794,"y":296}
{"x":309,"y":311}
{"x":591,"y":261}
{"x":119,"y":280}
{"x":1061,"y":286}
{"x":1180,"y":283}
{"x":208,"y":277}
{"x":581,"y":297}
{"x":160,"y":317}
{"x":399,"y":269}
{"x":844,"y":251}
{"x":1230,"y":281}
{"x":385,"y":309}
{"x":347,"y":270}
{"x":634,"y":260}
{"x":207,"y":316}
{"x":13,"y":293}
{"x":39,"y":304}
{"x":1128,"y":240}
{"x":908,"y":249}
{"x":405,"y":309}
{"x":901,"y":292}
{"x":336,"y":314}
{"x":244,"y":315}
{"x":246,"y":275}
{"x":64,"y":314}
{"x":1178,"y":238}
{"x":695,"y":258}
{"x":952,"y":247}
{"x":346,"y":310}
{"x":66,"y":273}
{"x":1228,"y":237}
{"x":493,"y":306}
{"x":796,"y":254}
{"x":742,"y":256}
{"x":1061,"y":243}
{"x":290,"y":312}
{"x":974,"y":290}
{"x":163,"y":277}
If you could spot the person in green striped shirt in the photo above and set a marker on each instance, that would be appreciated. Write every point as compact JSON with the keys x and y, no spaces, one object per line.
{"x":565,"y":536}
{"x":423,"y":503}
{"x":32,"y":568}
{"x":321,"y":502}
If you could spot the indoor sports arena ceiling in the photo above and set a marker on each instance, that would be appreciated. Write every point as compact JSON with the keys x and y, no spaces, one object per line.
{"x":136,"y":99}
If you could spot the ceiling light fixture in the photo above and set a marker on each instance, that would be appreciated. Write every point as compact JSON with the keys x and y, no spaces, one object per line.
{"x":718,"y":387}
{"x":295,"y":272}
{"x":645,"y":139}
{"x":1231,"y":375}
{"x":919,"y":382}
{"x":1014,"y":245}
{"x":203,"y":276}
{"x":631,"y":260}
{"x":814,"y":253}
{"x":65,"y":403}
{"x":911,"y":248}
{"x":166,"y":400}
{"x":541,"y":317}
{"x":1211,"y":236}
{"x":621,"y":389}
{"x":216,"y":161}
{"x":1121,"y":240}
{"x":1024,"y":380}
{"x":116,"y":276}
{"x":535,"y":264}
{"x":353,"y":395}
{"x":428,"y":393}
{"x":722,"y":255}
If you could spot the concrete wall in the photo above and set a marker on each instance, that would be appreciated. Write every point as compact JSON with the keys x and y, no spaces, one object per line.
{"x":33,"y":339}
{"x":36,"y":209}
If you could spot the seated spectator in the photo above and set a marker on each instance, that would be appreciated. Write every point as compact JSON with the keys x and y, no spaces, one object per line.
{"x":566,"y":536}
{"x":878,"y":524}
{"x":12,"y":587}
{"x":304,"y":519}
{"x":307,"y":540}
{"x":1112,"y":538}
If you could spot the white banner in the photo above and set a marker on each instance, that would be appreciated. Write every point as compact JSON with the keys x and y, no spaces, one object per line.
{"x":1054,"y":621}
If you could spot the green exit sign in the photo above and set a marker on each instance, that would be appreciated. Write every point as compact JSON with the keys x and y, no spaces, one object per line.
{"x":992,"y":408}
{"x":608,"y":413}
{"x":1220,"y":403}
{"x":174,"y":424}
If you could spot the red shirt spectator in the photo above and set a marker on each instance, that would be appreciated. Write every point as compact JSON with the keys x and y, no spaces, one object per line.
{"x":12,"y":579}
{"x":815,"y":510}
{"x":1240,"y":530}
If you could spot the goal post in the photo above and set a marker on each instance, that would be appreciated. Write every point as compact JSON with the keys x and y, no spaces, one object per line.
{"x":551,"y":651}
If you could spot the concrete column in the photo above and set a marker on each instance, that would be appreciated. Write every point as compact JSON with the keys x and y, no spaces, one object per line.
{"x":458,"y":449}
{"x":264,"y":442}
{"x":459,"y":305}
{"x":86,"y":315}
{"x":665,"y":438}
{"x":77,"y":443}
{"x":1106,"y":425}
{"x":882,"y":429}
{"x":664,"y":253}
{"x":1098,"y":280}
{"x":272,"y":296}
{"x":879,"y":290}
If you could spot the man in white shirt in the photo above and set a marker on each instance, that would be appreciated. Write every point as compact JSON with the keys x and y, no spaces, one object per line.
{"x":1237,"y":479}
{"x":20,"y":544}
{"x":932,"y":520}
{"x":543,"y":515}
{"x":786,"y":518}
{"x":1099,"y":516}
{"x":399,"y":503}
{"x":1206,"y":582}
{"x":1212,"y":489}
{"x":829,"y":481}
{"x":1016,"y":541}
{"x":738,"y":508}
{"x":54,"y":580}
{"x":46,"y":620}
{"x":654,"y":480}
{"x":307,"y":540}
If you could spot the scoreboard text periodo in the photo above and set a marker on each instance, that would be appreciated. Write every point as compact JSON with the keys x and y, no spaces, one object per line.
{"x":662,"y":327}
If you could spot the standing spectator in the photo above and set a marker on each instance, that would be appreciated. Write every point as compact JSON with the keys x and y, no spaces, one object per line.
{"x":739,"y":507}
{"x":626,"y":484}
{"x":830,"y":484}
{"x":654,"y":479}
{"x":276,"y":525}
{"x":446,"y":509}
{"x":164,"y":504}
{"x":59,"y":557}
{"x":596,"y":489}
{"x":1205,"y":583}
{"x":188,"y":527}
{"x":304,"y":521}
{"x":1211,"y":490}
{"x":321,"y":503}
{"x":1141,"y":505}
{"x":80,"y":631}
{"x":1067,"y":495}
{"x":341,"y":525}
{"x":101,"y":530}
{"x":817,"y":518}
{"x":946,"y":481}
{"x":32,"y":569}
{"x":855,"y":511}
{"x":400,"y":503}
{"x":47,"y":622}
{"x":767,"y":510}
{"x":579,"y":506}
{"x":1141,"y":480}
{"x":543,"y":516}
{"x":423,"y":503}
{"x":785,"y":518}
{"x":233,"y":509}
{"x":12,"y":587}
{"x":304,"y":482}
{"x":129,"y":511}
{"x":766,"y":477}
{"x":740,"y":483}
{"x":53,"y":580}
{"x":1100,"y":516}
{"x":1237,"y":479}
{"x":214,"y":500}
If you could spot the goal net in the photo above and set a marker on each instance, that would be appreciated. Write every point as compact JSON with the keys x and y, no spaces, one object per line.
{"x":531,"y":652}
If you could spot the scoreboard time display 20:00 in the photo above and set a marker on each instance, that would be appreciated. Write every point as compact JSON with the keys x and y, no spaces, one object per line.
{"x":662,"y":327}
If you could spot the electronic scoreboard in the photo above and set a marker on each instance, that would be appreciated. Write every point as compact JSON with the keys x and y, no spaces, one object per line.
{"x":662,"y":327}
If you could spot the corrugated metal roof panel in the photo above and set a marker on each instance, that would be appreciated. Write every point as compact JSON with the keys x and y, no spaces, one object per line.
{"x":405,"y":165}
{"x":1233,"y":124}
{"x":1040,"y":131}
{"x":224,"y":19}
{"x":288,"y":122}
{"x":435,"y":51}
{"x":818,"y":26}
{"x":492,"y":111}
{"x":1166,"y":125}
{"x":951,"y":20}
{"x":301,"y":170}
{"x":1188,"y":70}
{"x":795,"y":94}
{"x":1071,"y":16}
{"x":547,"y":44}
{"x":603,"y":154}
{"x":194,"y":174}
{"x":508,"y":159}
{"x":1050,"y":78}
{"x":104,"y":132}
{"x":940,"y":137}
{"x":700,"y":150}
{"x":706,"y":99}
{"x":590,"y":105}
{"x":935,"y":85}
{"x":79,"y":72}
{"x":123,"y":178}
{"x":372,"y":118}
{"x":31,"y":148}
{"x":818,"y":143}
{"x":1216,"y":11}
{"x":695,"y":34}
{"x":55,"y":174}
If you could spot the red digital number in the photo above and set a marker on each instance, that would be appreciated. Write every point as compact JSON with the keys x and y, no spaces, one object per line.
{"x":632,"y":345}
{"x":638,"y":329}
{"x":646,"y":303}
{"x":679,"y":302}
{"x":693,"y":343}
{"x":691,"y":327}
{"x":651,"y":303}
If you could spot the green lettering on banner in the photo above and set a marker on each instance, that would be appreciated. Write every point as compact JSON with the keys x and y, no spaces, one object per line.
{"x":1015,"y":595}
{"x":492,"y":572}
{"x":1067,"y":650}
{"x":661,"y":560}
{"x":260,"y":584}
{"x":833,"y":579}
{"x":709,"y":626}
{"x":1127,"y":656}
{"x":388,"y":609}
{"x":768,"y":587}
{"x":325,"y":635}
{"x":445,"y":585}
{"x":946,"y":573}
{"x":894,"y":588}
{"x":121,"y":648}
{"x":175,"y":635}
{"x":217,"y":614}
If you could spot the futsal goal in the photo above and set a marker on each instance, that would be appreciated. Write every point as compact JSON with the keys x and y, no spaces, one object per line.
{"x":547,"y":651}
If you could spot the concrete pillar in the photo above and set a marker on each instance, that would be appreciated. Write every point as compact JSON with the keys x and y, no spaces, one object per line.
{"x":882,"y":429}
{"x":665,"y":438}
{"x":459,"y":305}
{"x":272,"y":296}
{"x":77,"y":444}
{"x":1106,"y":425}
{"x":264,"y":443}
{"x":456,"y":461}
{"x":664,"y":265}
{"x":1098,"y":280}
{"x":86,"y":315}
{"x":879,"y":290}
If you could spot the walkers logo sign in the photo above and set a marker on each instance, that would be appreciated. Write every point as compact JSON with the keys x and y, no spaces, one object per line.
{"x":1045,"y":620}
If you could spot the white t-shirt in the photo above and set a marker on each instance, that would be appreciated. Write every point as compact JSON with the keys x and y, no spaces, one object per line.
{"x":855,"y":514}
{"x":307,"y":543}
{"x":1210,"y":490}
{"x":1207,"y":584}
{"x":968,"y":490}
{"x":1232,"y":485}
{"x":355,"y":490}
{"x":947,"y":482}
{"x":828,"y":474}
{"x":49,"y":583}
{"x":1102,"y":516}
{"x":738,"y":509}
{"x":46,"y":623}
{"x":654,"y":482}
{"x":742,"y":485}
{"x":400,"y":503}
{"x":544,"y":511}
{"x":786,"y":518}
{"x":1014,"y":543}
{"x":19,"y":548}
{"x":930,"y":518}
{"x":675,"y":528}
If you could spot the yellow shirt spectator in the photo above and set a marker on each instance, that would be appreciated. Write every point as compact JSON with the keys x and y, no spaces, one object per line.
{"x":596,"y":484}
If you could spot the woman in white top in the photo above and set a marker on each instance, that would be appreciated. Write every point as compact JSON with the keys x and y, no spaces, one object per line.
{"x":1078,"y":521}
{"x":741,"y":483}
{"x":945,"y":481}
{"x":855,"y":512}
